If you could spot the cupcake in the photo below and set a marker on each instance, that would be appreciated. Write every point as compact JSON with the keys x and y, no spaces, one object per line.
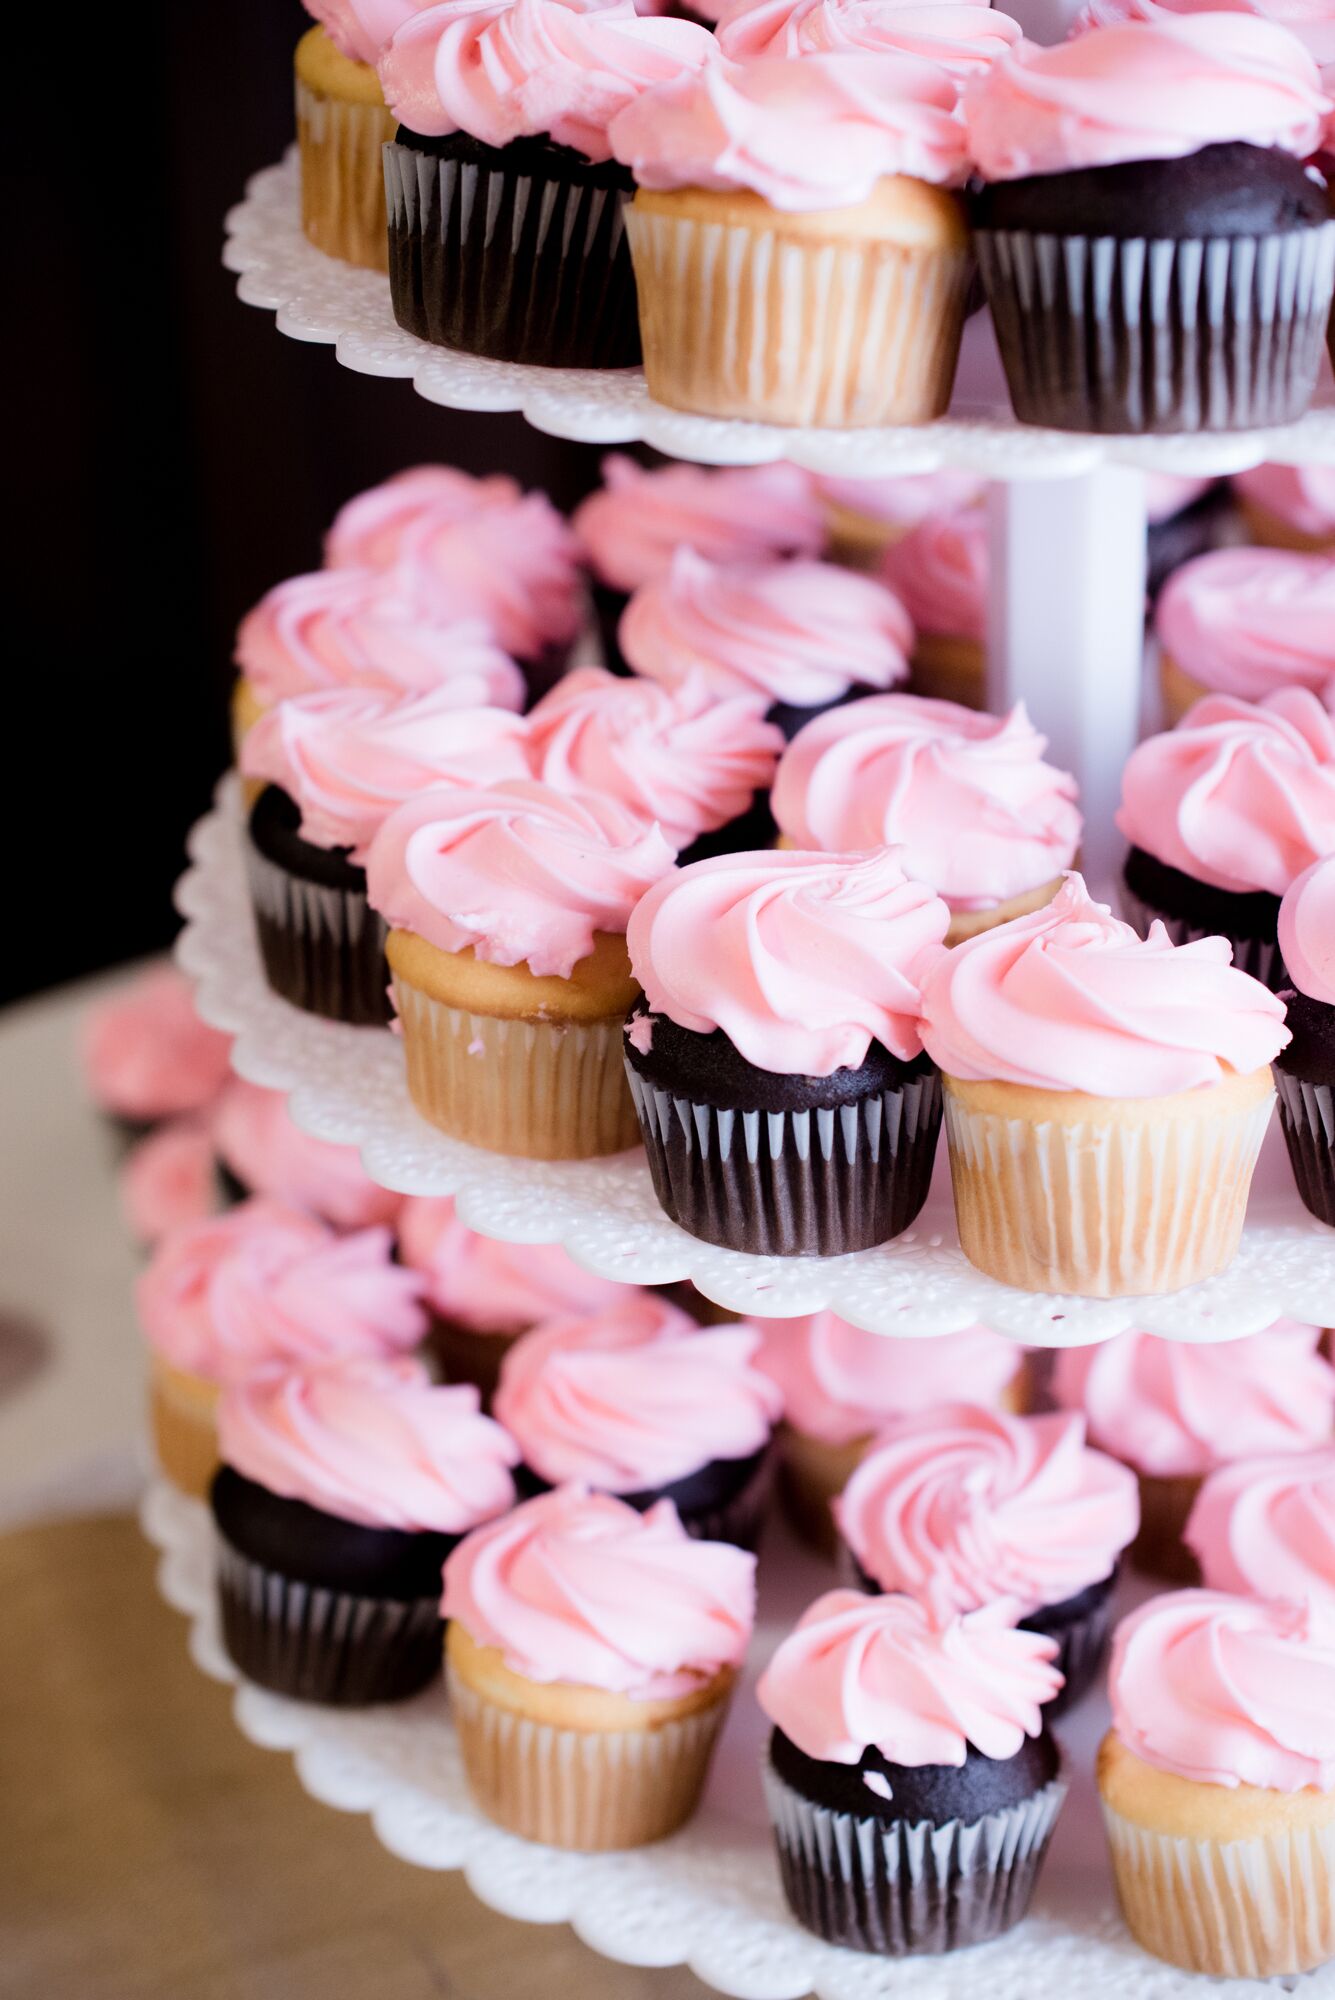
{"x":778,"y":986}
{"x":639,"y":1400}
{"x":841,"y":301}
{"x":840,"y":1385}
{"x":1184,"y":518}
{"x":1218,"y":1782}
{"x":1127,"y":1078}
{"x":146,"y":1055}
{"x":962,"y":41}
{"x":507,"y":911}
{"x":259,"y":1287}
{"x":1265,"y":1527}
{"x":912,"y":1782}
{"x":506,"y":231}
{"x":167,"y":1179}
{"x":261,"y":1150}
{"x":582,"y":1726}
{"x":792,"y":637}
{"x":975,"y":812}
{"x":1305,"y":1073}
{"x":1177,"y":1411}
{"x":1289,"y":506}
{"x":342,"y":124}
{"x":1223,"y":814}
{"x":962,"y":1506}
{"x":342,"y":1490}
{"x":1155,"y":254}
{"x":482,"y":1294}
{"x":865,"y":517}
{"x":939,"y":571}
{"x":697,"y":765}
{"x":635,"y":522}
{"x":333,"y":766}
{"x":1246,"y":622}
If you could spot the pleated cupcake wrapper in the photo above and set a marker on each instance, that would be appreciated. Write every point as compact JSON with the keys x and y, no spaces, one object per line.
{"x":1307,"y":1114}
{"x":342,"y":176}
{"x":584,"y":1789}
{"x":508,"y":264}
{"x":1259,"y":956}
{"x":329,"y":1646}
{"x":1146,"y":334}
{"x":550,"y":1090}
{"x":896,"y":1888}
{"x":792,"y":1183}
{"x":1098,"y":1208}
{"x":745,"y":322}
{"x":740,"y":1519}
{"x":323,"y":948}
{"x":1237,"y":1909}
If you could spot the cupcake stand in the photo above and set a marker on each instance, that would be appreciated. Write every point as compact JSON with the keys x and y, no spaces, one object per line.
{"x":1067,"y":637}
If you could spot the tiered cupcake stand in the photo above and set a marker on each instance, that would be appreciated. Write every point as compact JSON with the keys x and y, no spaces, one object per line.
{"x":1068,"y":554}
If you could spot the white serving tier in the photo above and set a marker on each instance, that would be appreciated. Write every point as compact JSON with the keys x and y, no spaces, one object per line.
{"x":348,"y":1084}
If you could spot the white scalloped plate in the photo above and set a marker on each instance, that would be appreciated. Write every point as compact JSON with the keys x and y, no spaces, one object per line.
{"x":318,"y":298}
{"x":348,"y":1084}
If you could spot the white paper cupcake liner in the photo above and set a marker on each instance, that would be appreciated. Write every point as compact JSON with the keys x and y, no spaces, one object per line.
{"x":342,"y":177}
{"x":1307,"y":1114}
{"x":1258,"y":956}
{"x":323,"y":948}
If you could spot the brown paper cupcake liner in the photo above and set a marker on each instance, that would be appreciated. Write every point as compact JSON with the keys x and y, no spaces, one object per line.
{"x":329,"y":1646}
{"x":1149,"y":335}
{"x":343,"y":176}
{"x":1259,"y":956}
{"x":792,"y":1183}
{"x":1307,"y":1115}
{"x":895,"y":1888}
{"x":323,"y":948}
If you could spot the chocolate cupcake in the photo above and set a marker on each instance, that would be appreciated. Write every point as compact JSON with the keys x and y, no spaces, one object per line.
{"x":1155,"y":254}
{"x":506,"y":235}
{"x":785,"y":1102}
{"x":1305,"y":1072}
{"x":964,"y":1506}
{"x":343,"y":1489}
{"x":912,"y":1782}
{"x":1184,"y":519}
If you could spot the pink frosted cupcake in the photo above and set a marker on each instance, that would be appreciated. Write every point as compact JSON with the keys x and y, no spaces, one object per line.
{"x":792,"y":637}
{"x":342,"y":1490}
{"x":865,"y":517}
{"x":482,"y":1294}
{"x":639,"y":1400}
{"x":1305,"y":1073}
{"x":1265,"y":1527}
{"x":1246,"y":622}
{"x":939,"y":570}
{"x":1176,"y":1411}
{"x":1223,"y":814}
{"x":580,"y":1726}
{"x":147,"y":1055}
{"x":967,"y":799}
{"x":960,"y":1506}
{"x":261,"y":1150}
{"x":168,"y":1179}
{"x":1289,"y":506}
{"x":1130,"y":1078}
{"x":840,"y":1385}
{"x":259,"y":1287}
{"x":962,"y":41}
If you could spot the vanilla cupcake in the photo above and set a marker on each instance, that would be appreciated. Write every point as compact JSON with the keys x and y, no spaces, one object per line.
{"x":507,"y":912}
{"x":865,"y":517}
{"x":579,"y":1725}
{"x":1128,"y":1079}
{"x":1305,"y":1073}
{"x":1246,"y":622}
{"x":1289,"y":506}
{"x":342,"y":125}
{"x":975,"y":811}
{"x":1177,"y":1411}
{"x":262,"y":1150}
{"x":841,"y":299}
{"x":1265,"y":1527}
{"x":1218,"y":1782}
{"x":939,"y":571}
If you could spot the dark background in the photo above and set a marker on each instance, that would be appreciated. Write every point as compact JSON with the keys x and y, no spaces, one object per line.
{"x":171,"y":454}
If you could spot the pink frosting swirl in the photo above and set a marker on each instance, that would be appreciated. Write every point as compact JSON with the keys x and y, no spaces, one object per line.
{"x":634,"y":1396}
{"x":1301,"y":496}
{"x":976,"y":813}
{"x":1168,"y":493}
{"x":1250,"y":621}
{"x":488,"y":1286}
{"x":1145,"y":90}
{"x":1312,"y":21}
{"x":168,"y":1179}
{"x":1229,"y":1690}
{"x":840,"y":1383}
{"x":506,"y":69}
{"x":348,"y":756}
{"x":803,"y":960}
{"x":264,"y":1284}
{"x":939,"y":572}
{"x":678,"y":756}
{"x":1239,"y":796}
{"x":639,"y":517}
{"x":808,"y":136}
{"x":906,"y":499}
{"x":377,"y":1442}
{"x":859,"y":1673}
{"x":577,"y":1587}
{"x":389,"y":629}
{"x":521,"y":874}
{"x":799,"y":632}
{"x":1266,"y":1526}
{"x":1307,"y":931}
{"x":961,"y":1505}
{"x":146,"y":1053}
{"x":496,"y":554}
{"x":1071,"y":999}
{"x":962,"y":39}
{"x":257,"y":1140}
{"x":1177,"y":1409}
{"x":360,"y":29}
